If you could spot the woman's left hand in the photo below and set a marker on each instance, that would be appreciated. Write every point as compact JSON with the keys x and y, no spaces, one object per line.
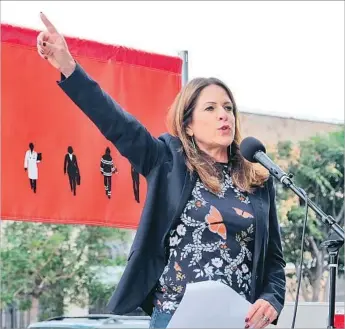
{"x":261,"y":314}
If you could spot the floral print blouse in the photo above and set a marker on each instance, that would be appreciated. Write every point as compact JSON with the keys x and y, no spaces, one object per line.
{"x":214,"y":240}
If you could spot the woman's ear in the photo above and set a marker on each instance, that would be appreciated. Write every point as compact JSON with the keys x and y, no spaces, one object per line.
{"x":189,"y":131}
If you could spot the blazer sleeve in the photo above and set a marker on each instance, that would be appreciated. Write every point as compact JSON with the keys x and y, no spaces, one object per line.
{"x":274,"y":275}
{"x":128,"y":135}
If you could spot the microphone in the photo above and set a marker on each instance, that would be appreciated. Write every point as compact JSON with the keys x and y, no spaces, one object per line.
{"x":254,"y":151}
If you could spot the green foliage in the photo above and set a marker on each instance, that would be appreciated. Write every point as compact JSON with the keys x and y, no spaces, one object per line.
{"x":319,"y":170}
{"x":51,"y":304}
{"x":284,"y":148}
{"x":292,"y":233}
{"x":99,"y":294}
{"x":49,"y":262}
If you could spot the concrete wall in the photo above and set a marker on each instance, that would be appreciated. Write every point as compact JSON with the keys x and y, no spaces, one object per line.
{"x":271,"y":129}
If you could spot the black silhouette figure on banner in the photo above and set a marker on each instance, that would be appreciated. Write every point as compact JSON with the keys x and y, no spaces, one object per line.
{"x":30,"y":165}
{"x":135,"y":179}
{"x":107,"y":169}
{"x":71,"y":167}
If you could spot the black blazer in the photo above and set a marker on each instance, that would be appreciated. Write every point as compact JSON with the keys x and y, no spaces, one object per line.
{"x":71,"y":166}
{"x":169,"y":186}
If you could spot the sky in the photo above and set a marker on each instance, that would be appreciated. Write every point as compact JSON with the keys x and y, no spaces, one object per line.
{"x":278,"y":57}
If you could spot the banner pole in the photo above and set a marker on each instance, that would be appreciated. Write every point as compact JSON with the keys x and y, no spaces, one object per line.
{"x":184,"y":55}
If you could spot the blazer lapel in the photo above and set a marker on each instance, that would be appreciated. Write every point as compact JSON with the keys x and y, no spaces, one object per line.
{"x":257,"y":203}
{"x":189,"y":182}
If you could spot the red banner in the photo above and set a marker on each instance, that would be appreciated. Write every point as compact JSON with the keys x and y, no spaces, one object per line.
{"x":36,"y":112}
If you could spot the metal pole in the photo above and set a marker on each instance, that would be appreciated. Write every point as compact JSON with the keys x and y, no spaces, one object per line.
{"x":184,"y":55}
{"x":333,"y":245}
{"x":333,"y":263}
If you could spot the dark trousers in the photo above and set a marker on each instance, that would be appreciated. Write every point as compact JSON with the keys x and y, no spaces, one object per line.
{"x":33,"y":184}
{"x":107,"y":185}
{"x":73,"y":183}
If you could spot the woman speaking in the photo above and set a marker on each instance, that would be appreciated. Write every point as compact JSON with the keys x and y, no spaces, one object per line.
{"x":209,"y":214}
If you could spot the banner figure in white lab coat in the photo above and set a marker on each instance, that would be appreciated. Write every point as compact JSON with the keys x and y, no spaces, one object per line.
{"x":71,"y":167}
{"x":30,"y":165}
{"x":107,"y":170}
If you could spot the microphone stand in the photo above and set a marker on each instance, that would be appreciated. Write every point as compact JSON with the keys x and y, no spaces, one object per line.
{"x":334,"y":242}
{"x":333,"y":245}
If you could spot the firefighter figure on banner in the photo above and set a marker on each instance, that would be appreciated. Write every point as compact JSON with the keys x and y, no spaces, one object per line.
{"x":107,"y":170}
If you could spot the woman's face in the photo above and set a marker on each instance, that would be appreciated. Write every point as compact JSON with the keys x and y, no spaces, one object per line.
{"x":213,"y":119}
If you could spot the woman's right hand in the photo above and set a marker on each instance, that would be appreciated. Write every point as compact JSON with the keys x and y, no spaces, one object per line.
{"x":52,"y":46}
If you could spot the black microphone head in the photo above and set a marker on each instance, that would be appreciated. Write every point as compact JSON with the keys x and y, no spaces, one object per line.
{"x":249,"y":146}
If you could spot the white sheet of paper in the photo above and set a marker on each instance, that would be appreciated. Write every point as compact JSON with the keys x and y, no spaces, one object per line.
{"x":210,"y":304}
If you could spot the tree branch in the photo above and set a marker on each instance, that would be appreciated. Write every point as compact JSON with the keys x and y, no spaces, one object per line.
{"x":291,"y":292}
{"x":44,"y":284}
{"x":314,"y":247}
{"x":303,"y":284}
{"x":18,"y":292}
{"x":305,"y":290}
{"x":69,"y":276}
{"x":54,"y":253}
{"x":309,"y":272}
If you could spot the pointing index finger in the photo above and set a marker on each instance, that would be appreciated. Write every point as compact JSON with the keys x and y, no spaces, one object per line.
{"x":48,"y":24}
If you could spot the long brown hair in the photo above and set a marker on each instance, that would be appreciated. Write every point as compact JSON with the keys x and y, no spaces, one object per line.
{"x":243,"y":173}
